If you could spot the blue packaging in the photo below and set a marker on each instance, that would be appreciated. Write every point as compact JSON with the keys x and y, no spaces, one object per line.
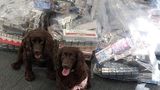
{"x":42,"y":4}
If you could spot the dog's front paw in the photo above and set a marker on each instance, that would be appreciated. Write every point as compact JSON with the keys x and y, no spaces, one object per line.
{"x":29,"y":76}
{"x":16,"y":66}
{"x":51,"y":76}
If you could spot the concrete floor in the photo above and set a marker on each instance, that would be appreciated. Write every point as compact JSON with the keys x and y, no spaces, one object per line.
{"x":14,"y":80}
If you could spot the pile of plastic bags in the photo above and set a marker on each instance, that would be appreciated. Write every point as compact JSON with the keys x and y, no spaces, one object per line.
{"x":78,"y":29}
{"x":16,"y":17}
{"x":68,"y":21}
{"x":123,"y":32}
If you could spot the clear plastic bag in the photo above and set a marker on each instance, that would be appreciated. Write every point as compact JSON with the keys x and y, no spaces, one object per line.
{"x":78,"y":29}
{"x":133,"y":20}
{"x":18,"y":15}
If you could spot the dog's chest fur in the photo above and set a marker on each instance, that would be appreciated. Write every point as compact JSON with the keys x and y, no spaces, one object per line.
{"x":82,"y":85}
{"x":40,"y":63}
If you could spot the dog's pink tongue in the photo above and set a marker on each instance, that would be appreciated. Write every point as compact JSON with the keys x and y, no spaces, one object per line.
{"x":65,"y":71}
{"x":37,"y":56}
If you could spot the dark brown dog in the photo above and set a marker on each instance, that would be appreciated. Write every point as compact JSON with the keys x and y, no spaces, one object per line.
{"x":37,"y":45}
{"x":72,"y":73}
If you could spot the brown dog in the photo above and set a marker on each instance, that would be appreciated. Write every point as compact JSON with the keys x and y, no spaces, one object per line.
{"x":72,"y":73}
{"x":36,"y":45}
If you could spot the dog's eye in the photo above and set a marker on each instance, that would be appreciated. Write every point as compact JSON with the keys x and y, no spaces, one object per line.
{"x":33,"y":40}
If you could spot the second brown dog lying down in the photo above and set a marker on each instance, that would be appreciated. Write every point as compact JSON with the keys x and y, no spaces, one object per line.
{"x":72,"y":73}
{"x":36,"y":45}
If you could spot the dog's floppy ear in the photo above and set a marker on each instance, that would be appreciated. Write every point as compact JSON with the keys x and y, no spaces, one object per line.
{"x":48,"y":44}
{"x":26,"y":42}
{"x":80,"y":59}
{"x":80,"y":69}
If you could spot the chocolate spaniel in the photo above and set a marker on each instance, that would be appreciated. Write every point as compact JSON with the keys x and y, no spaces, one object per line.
{"x":37,"y":45}
{"x":72,"y":72}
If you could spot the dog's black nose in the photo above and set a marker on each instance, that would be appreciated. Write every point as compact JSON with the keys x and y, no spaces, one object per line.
{"x":65,"y":66}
